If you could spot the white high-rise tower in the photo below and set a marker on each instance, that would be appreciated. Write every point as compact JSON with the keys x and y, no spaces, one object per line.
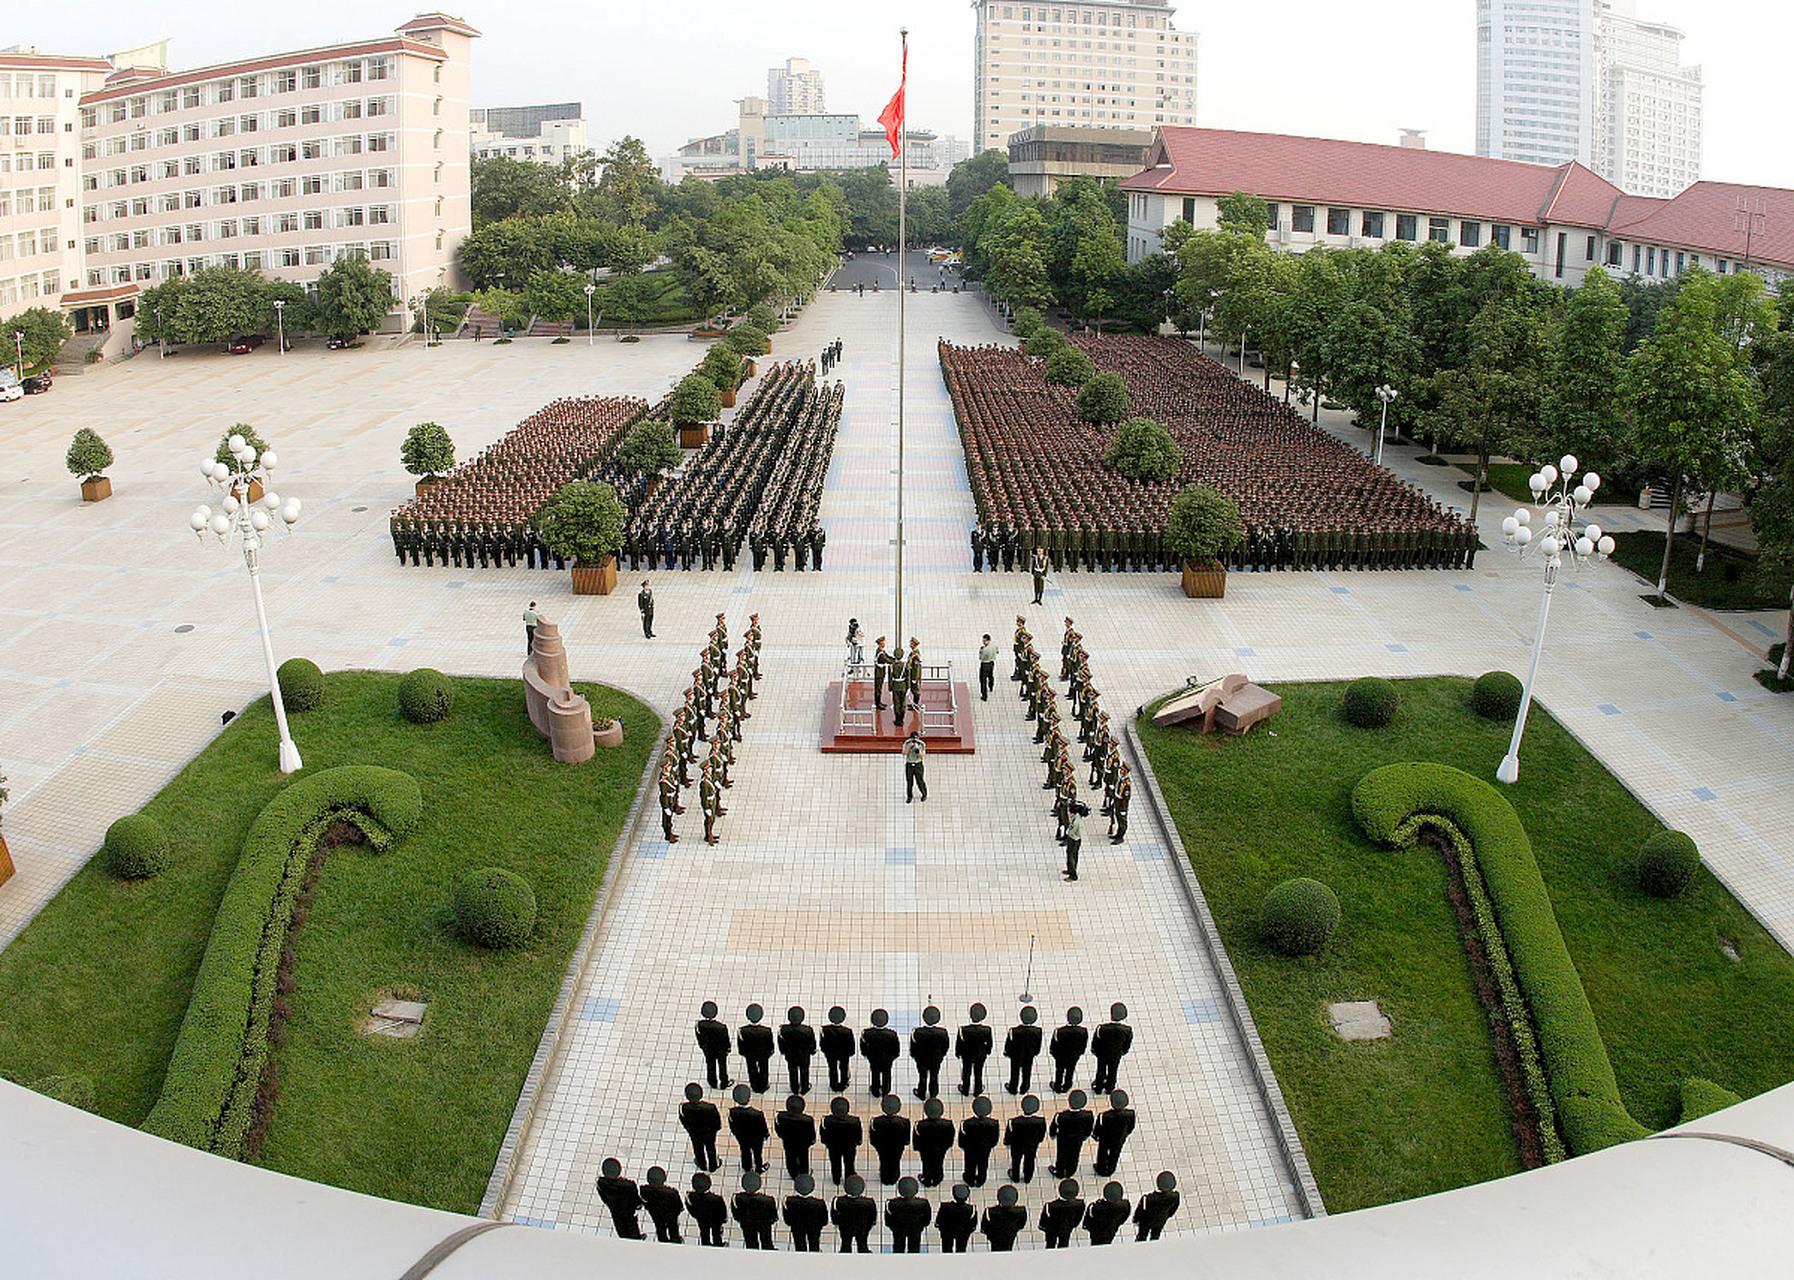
{"x":794,"y":89}
{"x":1647,"y":105}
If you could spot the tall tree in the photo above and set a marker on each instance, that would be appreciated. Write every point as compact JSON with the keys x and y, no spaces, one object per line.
{"x":1242,"y":212}
{"x":628,"y":184}
{"x":1772,"y":505}
{"x":44,"y":333}
{"x":1582,"y":412}
{"x":218,"y":303}
{"x":353,"y":297}
{"x":1018,"y":257}
{"x":1491,"y":404}
{"x":971,"y":178}
{"x":505,"y":188}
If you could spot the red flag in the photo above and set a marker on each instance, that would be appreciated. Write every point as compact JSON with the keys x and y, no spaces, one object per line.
{"x":892,"y":116}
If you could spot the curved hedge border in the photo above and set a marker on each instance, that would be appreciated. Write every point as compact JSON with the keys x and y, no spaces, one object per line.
{"x":1392,"y":804}
{"x":208,"y":1096}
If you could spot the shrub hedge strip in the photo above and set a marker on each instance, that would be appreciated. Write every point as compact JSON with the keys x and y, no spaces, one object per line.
{"x":1589,"y":1109}
{"x":208,"y":1097}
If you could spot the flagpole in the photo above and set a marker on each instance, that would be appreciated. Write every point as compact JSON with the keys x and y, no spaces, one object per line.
{"x":902,"y":295}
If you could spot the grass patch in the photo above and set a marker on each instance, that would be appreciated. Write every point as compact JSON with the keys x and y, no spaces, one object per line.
{"x":1731,"y":579}
{"x":98,"y":983}
{"x":663,"y":300}
{"x":1425,"y":1111}
{"x":1509,"y":478}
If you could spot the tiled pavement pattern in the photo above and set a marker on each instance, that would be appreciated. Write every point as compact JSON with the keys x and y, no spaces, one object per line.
{"x":101,"y":699}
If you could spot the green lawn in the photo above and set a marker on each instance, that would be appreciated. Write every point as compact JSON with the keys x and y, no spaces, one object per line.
{"x":664,"y":301}
{"x":98,"y":983}
{"x":1509,"y":479}
{"x":1425,"y":1111}
{"x":1730,"y":580}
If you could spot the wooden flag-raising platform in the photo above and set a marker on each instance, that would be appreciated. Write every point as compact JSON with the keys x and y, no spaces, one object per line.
{"x":851,"y":724}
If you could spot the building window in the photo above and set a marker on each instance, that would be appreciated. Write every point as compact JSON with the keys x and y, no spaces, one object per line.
{"x":1190,"y":209}
{"x":1339,"y":222}
{"x":1614,"y":250}
{"x":1301,"y":217}
{"x":1439,"y":230}
{"x":1638,"y":258}
{"x":1588,"y":254}
{"x":1406,"y":226}
{"x":313,"y":77}
{"x":311,"y":115}
{"x":314,"y":220}
{"x":286,"y":81}
{"x":1501,"y":235}
{"x":289,"y":257}
{"x":1276,"y":212}
{"x":1681,"y":261}
{"x":1529,"y":239}
{"x":1472,"y":234}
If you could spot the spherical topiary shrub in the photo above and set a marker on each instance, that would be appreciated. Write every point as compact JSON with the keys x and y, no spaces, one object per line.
{"x":136,"y":847}
{"x":495,"y":908}
{"x":425,"y":695}
{"x":1667,"y":863}
{"x":301,"y":684}
{"x":1496,"y":695}
{"x":1370,"y":702}
{"x":1298,"y":916}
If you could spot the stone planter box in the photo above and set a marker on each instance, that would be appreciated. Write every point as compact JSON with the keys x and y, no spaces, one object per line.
{"x":611,"y":737}
{"x":595,"y":579}
{"x":97,"y":489}
{"x":693,"y":437}
{"x":1204,"y":581}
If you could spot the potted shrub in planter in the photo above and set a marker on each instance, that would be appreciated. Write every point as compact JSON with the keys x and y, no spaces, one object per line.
{"x":723,"y":368}
{"x":1203,"y":525}
{"x":583,"y":523}
{"x":6,"y":867}
{"x":88,"y":457}
{"x":763,"y":318}
{"x":649,"y":449}
{"x":695,"y":404}
{"x":250,"y":438}
{"x":607,"y":732}
{"x":427,"y":452}
{"x":749,"y":340}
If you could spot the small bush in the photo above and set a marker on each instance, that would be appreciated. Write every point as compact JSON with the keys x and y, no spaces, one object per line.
{"x":1203,"y":525}
{"x":427,"y":450}
{"x":763,"y":318}
{"x":1026,"y":322}
{"x":1667,"y":864}
{"x":1298,"y":916}
{"x":136,"y":847}
{"x":1370,"y":702}
{"x":250,"y":438}
{"x":301,"y":684}
{"x":1496,"y":695}
{"x":1104,"y":400}
{"x":748,"y":340}
{"x":1141,"y":449}
{"x":76,"y":1091}
{"x":1043,"y":342}
{"x":1069,"y":367}
{"x":652,"y":446}
{"x":425,"y":695}
{"x":495,"y":908}
{"x":88,"y":455}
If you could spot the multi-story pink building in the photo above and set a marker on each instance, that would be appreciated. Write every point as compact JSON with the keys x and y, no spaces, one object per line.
{"x":284,"y":164}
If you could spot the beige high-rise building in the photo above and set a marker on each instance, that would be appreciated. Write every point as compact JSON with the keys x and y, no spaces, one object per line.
{"x":1647,"y":105}
{"x":1115,"y":64}
{"x":794,"y":89}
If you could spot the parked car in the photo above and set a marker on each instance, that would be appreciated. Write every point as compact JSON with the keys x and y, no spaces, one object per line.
{"x":11,"y":391}
{"x":244,"y":345}
{"x":36,"y":384}
{"x":335,"y":343}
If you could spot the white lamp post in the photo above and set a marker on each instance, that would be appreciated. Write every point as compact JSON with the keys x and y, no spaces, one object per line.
{"x":18,"y":337}
{"x":280,"y":324}
{"x":1385,"y":393}
{"x":590,"y":290}
{"x":1558,"y":497}
{"x":240,"y":518}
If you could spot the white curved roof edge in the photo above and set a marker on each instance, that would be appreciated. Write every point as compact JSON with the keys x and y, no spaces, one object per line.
{"x":82,"y":1197}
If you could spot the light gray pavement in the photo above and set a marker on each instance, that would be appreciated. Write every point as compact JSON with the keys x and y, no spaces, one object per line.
{"x":101,"y":701}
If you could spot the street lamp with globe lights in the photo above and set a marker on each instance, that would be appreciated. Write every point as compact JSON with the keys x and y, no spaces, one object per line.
{"x":280,"y":305}
{"x":1386,"y":394}
{"x":1559,"y":497}
{"x":239,"y":518}
{"x":590,"y":290}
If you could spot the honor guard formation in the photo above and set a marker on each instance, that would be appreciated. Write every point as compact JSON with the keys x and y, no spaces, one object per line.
{"x":720,"y":695}
{"x":898,"y":1142}
{"x":1308,"y":501}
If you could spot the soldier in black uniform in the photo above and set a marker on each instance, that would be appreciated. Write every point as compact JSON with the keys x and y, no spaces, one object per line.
{"x":621,"y":1197}
{"x":928,"y":1049}
{"x":854,"y":1215}
{"x":1112,"y":1129}
{"x":702,"y":1122}
{"x":1023,"y":1136}
{"x":796,"y":1132}
{"x":1156,"y":1207}
{"x":747,"y":1125}
{"x":754,"y":1043}
{"x":708,"y":1209}
{"x":890,"y":1138}
{"x":978,"y":1137}
{"x":1067,"y":1047}
{"x":955,"y":1220}
{"x":797,"y":1045}
{"x":644,"y":601}
{"x":934,"y":1139}
{"x":906,"y":1217}
{"x":713,"y":1042}
{"x":1060,"y":1216}
{"x":1104,"y":1216}
{"x":662,"y":1204}
{"x":1037,"y":567}
{"x":880,"y":1045}
{"x":806,"y":1215}
{"x":837,"y":1049}
{"x":1109,"y":1045}
{"x":755,"y":1212}
{"x":972,"y":1047}
{"x":1071,"y":1127}
{"x":842,"y":1134}
{"x":1004,"y":1220}
{"x":1021,"y":1046}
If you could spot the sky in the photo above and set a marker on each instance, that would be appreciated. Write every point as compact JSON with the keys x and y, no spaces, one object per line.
{"x":669,"y":72}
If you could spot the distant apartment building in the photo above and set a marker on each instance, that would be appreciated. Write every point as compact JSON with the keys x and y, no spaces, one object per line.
{"x":764,"y":139}
{"x":548,"y":134}
{"x":1647,"y":106}
{"x":1113,"y":64}
{"x":795,"y":89}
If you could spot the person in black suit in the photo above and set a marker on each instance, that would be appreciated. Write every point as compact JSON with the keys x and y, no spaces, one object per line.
{"x":1021,"y":1046}
{"x":755,"y":1212}
{"x":842,"y":1135}
{"x":880,"y":1045}
{"x":854,"y":1215}
{"x":837,"y":1049}
{"x":934,"y":1139}
{"x":754,"y":1043}
{"x":662,"y":1204}
{"x":709,"y":1210}
{"x":797,"y":1045}
{"x":621,"y":1196}
{"x":713,"y":1042}
{"x":906,"y":1217}
{"x":1105,"y":1215}
{"x":702,"y":1122}
{"x":1108,"y":1046}
{"x":1060,"y":1216}
{"x":978,"y":1137}
{"x":972,"y":1047}
{"x":1156,"y":1207}
{"x":796,"y":1132}
{"x":956,"y":1219}
{"x":928,"y":1049}
{"x":890,"y":1135}
{"x":1112,"y":1129}
{"x":747,"y":1125}
{"x":1023,"y":1136}
{"x":806,"y":1215}
{"x":1004,"y":1220}
{"x":1067,"y":1046}
{"x":1071,"y":1127}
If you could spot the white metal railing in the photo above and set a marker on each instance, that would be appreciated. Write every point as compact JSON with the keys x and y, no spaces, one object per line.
{"x":865,"y":720}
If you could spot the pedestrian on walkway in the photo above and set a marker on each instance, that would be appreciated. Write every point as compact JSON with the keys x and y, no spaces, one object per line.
{"x":987,"y":668}
{"x":1074,"y":839}
{"x":530,"y":618}
{"x":915,"y":752}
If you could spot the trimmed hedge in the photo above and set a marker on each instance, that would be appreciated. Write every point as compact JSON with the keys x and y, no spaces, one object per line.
{"x":76,"y":1091}
{"x":1667,"y":863}
{"x":1298,"y":916}
{"x":495,"y":908}
{"x":425,"y":695}
{"x":1703,"y":1097}
{"x":1369,"y":702}
{"x":1392,"y":804}
{"x":301,"y":684}
{"x":136,"y":847}
{"x":1496,"y":695}
{"x":208,"y":1096}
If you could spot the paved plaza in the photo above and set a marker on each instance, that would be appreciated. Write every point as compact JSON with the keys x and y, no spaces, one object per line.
{"x":826,"y":887}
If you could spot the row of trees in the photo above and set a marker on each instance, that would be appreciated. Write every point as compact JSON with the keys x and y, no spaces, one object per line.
{"x":350,"y":297}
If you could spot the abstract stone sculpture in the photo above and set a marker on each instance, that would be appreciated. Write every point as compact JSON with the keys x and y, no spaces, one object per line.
{"x":559,"y":714}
